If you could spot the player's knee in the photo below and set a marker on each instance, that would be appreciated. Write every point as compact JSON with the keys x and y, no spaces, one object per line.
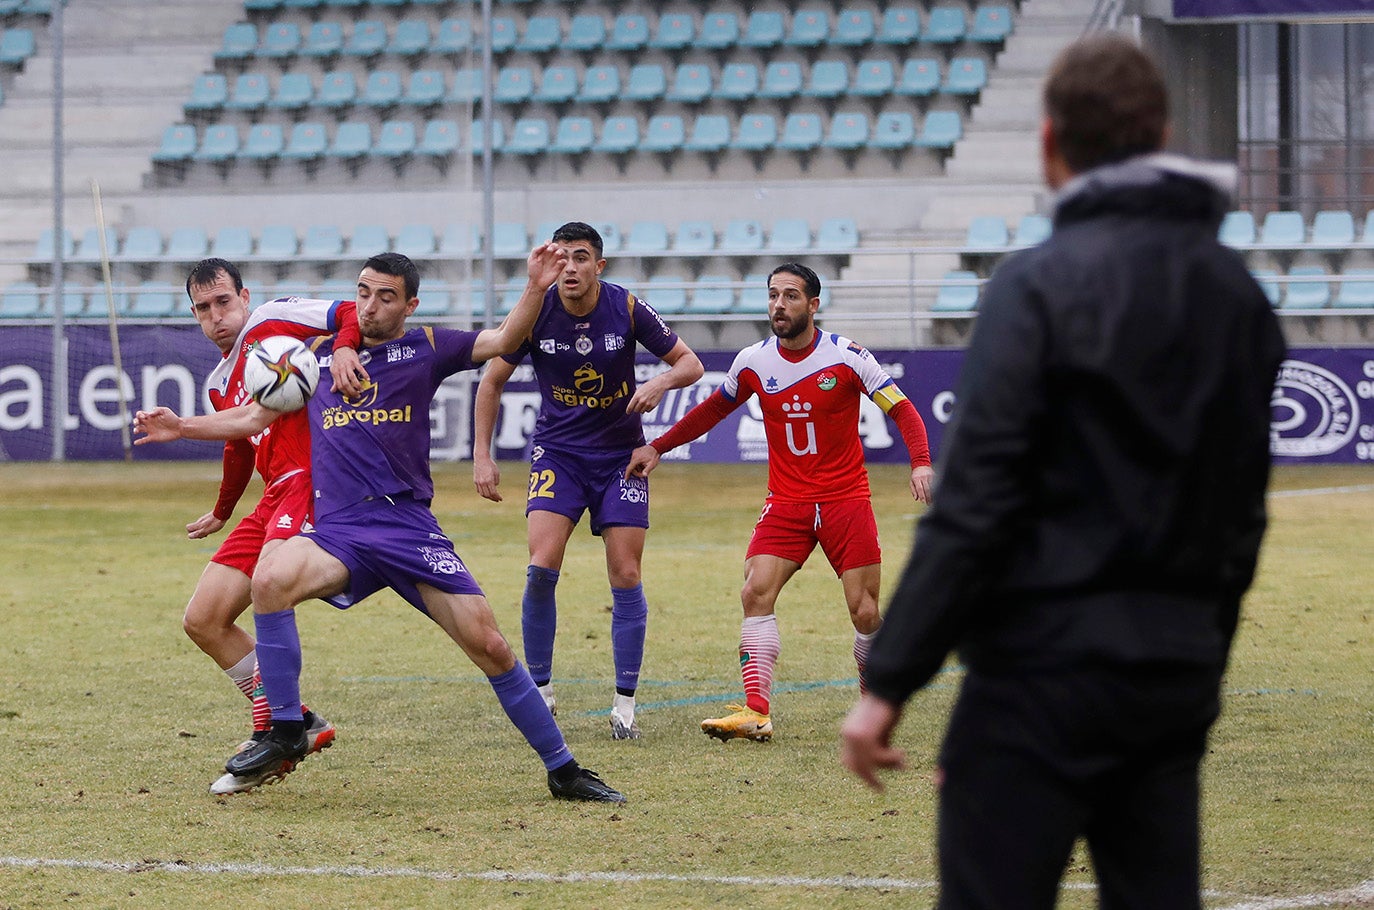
{"x":202,"y":622}
{"x":269,"y":589}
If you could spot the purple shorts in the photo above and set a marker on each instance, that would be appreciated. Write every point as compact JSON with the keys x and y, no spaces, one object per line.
{"x":393,"y":543}
{"x":572,"y":484}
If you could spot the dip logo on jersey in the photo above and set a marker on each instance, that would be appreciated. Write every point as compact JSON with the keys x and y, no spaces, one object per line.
{"x":442,"y":561}
{"x":588,"y":388}
{"x":362,"y":409}
{"x":1312,"y":411}
{"x":798,"y":414}
{"x":826,"y":381}
{"x":583,"y":345}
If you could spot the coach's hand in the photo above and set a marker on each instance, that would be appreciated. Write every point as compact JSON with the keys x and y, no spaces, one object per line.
{"x":866,"y":740}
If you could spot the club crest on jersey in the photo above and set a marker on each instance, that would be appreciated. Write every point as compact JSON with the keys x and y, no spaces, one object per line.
{"x":583,"y":345}
{"x":826,"y":381}
{"x":771,"y":385}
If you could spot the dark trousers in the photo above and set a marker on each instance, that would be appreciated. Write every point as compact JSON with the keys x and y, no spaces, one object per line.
{"x":1033,"y":760}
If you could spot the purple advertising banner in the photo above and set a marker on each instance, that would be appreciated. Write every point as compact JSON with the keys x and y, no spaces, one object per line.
{"x":1323,"y":407}
{"x":1229,"y":9}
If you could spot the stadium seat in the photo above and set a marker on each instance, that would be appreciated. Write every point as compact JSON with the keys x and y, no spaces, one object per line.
{"x":557,"y":85}
{"x":338,"y":90}
{"x":209,"y":91}
{"x":756,"y":133}
{"x":987,"y":232}
{"x":573,"y":136}
{"x":1311,"y":293}
{"x":307,"y":143}
{"x":251,"y":93}
{"x":712,"y":294}
{"x":152,"y":299}
{"x":541,"y":35}
{"x":629,"y":32}
{"x":664,"y":133}
{"x":646,"y":82}
{"x":611,"y":241}
{"x":368,"y":39}
{"x":509,"y":240}
{"x":901,"y":26}
{"x":991,"y":23}
{"x":694,"y":237}
{"x":294,"y":93}
{"x":837,"y":234}
{"x":1332,"y":229}
{"x":21,"y":300}
{"x":395,"y":141}
{"x":467,"y":87}
{"x":453,"y":38}
{"x":240,"y":42}
{"x":763,"y":29}
{"x":1237,"y":229}
{"x":945,"y":26}
{"x":781,"y":79}
{"x":382,"y":91}
{"x":691,"y":84}
{"x":514,"y":85}
{"x":894,"y":131}
{"x":742,"y":235}
{"x":789,"y":235}
{"x":1031,"y":229}
{"x":324,"y":41}
{"x":88,"y":247}
{"x":178,"y":144}
{"x":232,"y":242}
{"x":966,"y":76}
{"x":753,"y":297}
{"x":218,"y":144}
{"x":829,"y":79}
{"x":433,"y":302}
{"x":810,"y":28}
{"x":365,"y":241}
{"x":322,"y":241}
{"x":301,"y":4}
{"x":958,"y":292}
{"x":719,"y":30}
{"x":187,"y":244}
{"x":1283,"y":229}
{"x":619,"y":135}
{"x":460,"y":239}
{"x":940,"y":130}
{"x":738,"y":82}
{"x":676,"y":31}
{"x":528,"y":136}
{"x":874,"y":79}
{"x":848,"y":131}
{"x":411,"y":38}
{"x":600,"y":85}
{"x":46,"y":247}
{"x":142,"y":244}
{"x":278,"y":241}
{"x":352,"y":144}
{"x":479,"y":136}
{"x":647,"y":237}
{"x":280,"y":41}
{"x":666,"y":294}
{"x":424,"y":90}
{"x":853,"y":27}
{"x":586,"y":33}
{"x":503,"y":34}
{"x":439,"y":141}
{"x":920,"y":78}
{"x":264,"y":143}
{"x":800,"y":132}
{"x":1356,"y":290}
{"x":710,"y":133}
{"x":415,"y":240}
{"x":16,"y":46}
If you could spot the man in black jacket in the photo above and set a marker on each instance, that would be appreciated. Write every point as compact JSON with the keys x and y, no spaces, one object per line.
{"x":1096,"y":520}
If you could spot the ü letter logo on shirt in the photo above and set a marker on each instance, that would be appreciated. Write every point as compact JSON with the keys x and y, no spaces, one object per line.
{"x":798,"y":410}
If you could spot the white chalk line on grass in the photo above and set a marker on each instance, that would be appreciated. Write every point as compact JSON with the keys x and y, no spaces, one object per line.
{"x":1363,"y":891}
{"x":1322,"y":491}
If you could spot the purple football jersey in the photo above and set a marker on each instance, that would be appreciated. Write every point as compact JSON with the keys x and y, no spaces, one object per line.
{"x":585,"y":366}
{"x":378,"y":444}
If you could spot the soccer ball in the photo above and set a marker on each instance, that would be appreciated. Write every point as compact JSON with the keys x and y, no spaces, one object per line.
{"x":281,"y":373}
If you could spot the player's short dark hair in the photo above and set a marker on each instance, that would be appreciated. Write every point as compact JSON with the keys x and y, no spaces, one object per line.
{"x":207,"y":272}
{"x":397,"y":264}
{"x":580,"y":230}
{"x":810,"y":280}
{"x":1106,"y":101}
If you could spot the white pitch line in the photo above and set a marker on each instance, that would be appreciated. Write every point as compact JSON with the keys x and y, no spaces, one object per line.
{"x":1321,"y":491}
{"x":1361,"y":892}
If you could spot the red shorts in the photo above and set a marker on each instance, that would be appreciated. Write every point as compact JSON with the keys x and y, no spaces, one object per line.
{"x":846,"y":531}
{"x":284,"y":511}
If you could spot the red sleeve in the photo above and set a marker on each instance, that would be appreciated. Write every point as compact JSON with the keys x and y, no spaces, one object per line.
{"x":913,"y":430}
{"x":696,"y":422}
{"x":238,"y":470}
{"x":346,"y":323}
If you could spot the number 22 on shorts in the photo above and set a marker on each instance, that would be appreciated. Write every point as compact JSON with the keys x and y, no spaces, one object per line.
{"x":541,"y":484}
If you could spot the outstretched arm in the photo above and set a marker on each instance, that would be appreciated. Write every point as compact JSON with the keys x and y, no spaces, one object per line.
{"x":684,"y":369}
{"x":486,"y":476}
{"x":544,"y":265}
{"x":694,"y":423}
{"x":163,"y":424}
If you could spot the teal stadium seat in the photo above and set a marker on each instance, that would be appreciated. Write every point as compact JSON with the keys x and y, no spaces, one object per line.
{"x":294,"y":93}
{"x":738,"y":82}
{"x":466,"y":88}
{"x":1332,"y":229}
{"x":1283,"y":229}
{"x":920,"y":78}
{"x":88,"y":247}
{"x":307,"y":143}
{"x":411,"y":38}
{"x":307,"y":5}
{"x":557,"y":85}
{"x":619,"y":135}
{"x":893,"y":131}
{"x":874,"y":79}
{"x":940,"y":130}
{"x":600,"y":85}
{"x":719,"y":30}
{"x":46,"y":247}
{"x":509,"y":240}
{"x":854,"y":27}
{"x":676,"y":31}
{"x":763,"y":29}
{"x":837,"y":234}
{"x":987,"y":232}
{"x":218,"y":144}
{"x":479,"y":137}
{"x":424,"y":90}
{"x":694,"y":237}
{"x":453,"y":38}
{"x":992,"y":23}
{"x":629,"y":32}
{"x":542,"y":34}
{"x":514,"y":85}
{"x":646,"y":82}
{"x":416,"y":241}
{"x":280,"y":41}
{"x":240,"y":42}
{"x":352,"y":144}
{"x":504,"y":34}
{"x":460,"y":239}
{"x":710,"y":133}
{"x":260,"y":6}
{"x":742,"y":235}
{"x":810,"y":28}
{"x":801,"y":132}
{"x":789,"y":235}
{"x":848,"y":131}
{"x":753,"y":297}
{"x":647,"y":238}
{"x":21,"y":301}
{"x":368,"y":39}
{"x":901,"y":26}
{"x":278,"y":242}
{"x":945,"y":26}
{"x":395,"y":142}
{"x":829,"y":79}
{"x":528,"y":136}
{"x":711,"y":295}
{"x":251,"y":93}
{"x":142,"y":244}
{"x":338,"y":90}
{"x":958,"y":292}
{"x":323,"y":41}
{"x":756,"y":133}
{"x":1031,"y":229}
{"x":586,"y":33}
{"x":1237,"y":229}
{"x":152,"y":300}
{"x":664,"y":133}
{"x":209,"y":91}
{"x":781,"y":79}
{"x":187,"y":244}
{"x":966,"y":76}
{"x":611,"y":240}
{"x":666,"y":294}
{"x":232,"y":242}
{"x":322,"y":241}
{"x":439,"y":142}
{"x":1309,"y":292}
{"x":264,"y":143}
{"x":382,"y":91}
{"x":1356,"y":289}
{"x":691,"y":84}
{"x":573,"y":136}
{"x":1367,"y":235}
{"x":366,"y":240}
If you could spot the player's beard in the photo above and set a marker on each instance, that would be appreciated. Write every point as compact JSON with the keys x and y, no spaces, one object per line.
{"x":791,"y":328}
